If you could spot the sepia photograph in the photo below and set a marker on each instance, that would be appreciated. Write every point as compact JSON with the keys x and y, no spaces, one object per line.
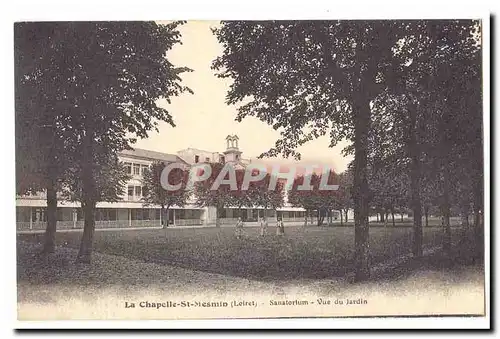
{"x":238,"y":169}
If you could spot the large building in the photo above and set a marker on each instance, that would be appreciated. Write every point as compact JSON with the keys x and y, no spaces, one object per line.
{"x":131,"y":210}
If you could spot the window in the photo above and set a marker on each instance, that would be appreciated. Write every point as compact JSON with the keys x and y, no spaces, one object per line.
{"x":137,"y":169}
{"x":196,"y":159}
{"x":144,"y":168}
{"x":98,"y":215}
{"x":144,"y":190}
{"x":128,"y":165}
{"x":146,"y":214}
{"x":222,"y":159}
{"x":39,"y":214}
{"x":237,"y":157}
{"x":136,"y":214}
{"x":130,"y":191}
{"x":112,"y":215}
{"x":138,"y":191}
{"x":79,"y":214}
{"x":105,"y":214}
{"x":59,"y":214}
{"x":207,"y":159}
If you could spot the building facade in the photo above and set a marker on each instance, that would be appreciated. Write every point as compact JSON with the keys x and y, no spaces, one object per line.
{"x":131,"y":210}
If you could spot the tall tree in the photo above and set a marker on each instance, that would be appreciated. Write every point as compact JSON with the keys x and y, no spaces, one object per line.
{"x":110,"y":180}
{"x":238,"y":196}
{"x":261,"y":195}
{"x":110,"y":77}
{"x":155,"y":194}
{"x":344,"y":200}
{"x":205,"y":196}
{"x":316,"y":198}
{"x":420,"y":85}
{"x":41,"y":159}
{"x":309,"y":78}
{"x":454,"y":70}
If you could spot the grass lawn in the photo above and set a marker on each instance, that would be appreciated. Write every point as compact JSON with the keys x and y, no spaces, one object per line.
{"x":312,"y":253}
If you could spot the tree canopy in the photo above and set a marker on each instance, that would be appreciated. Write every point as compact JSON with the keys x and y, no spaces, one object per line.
{"x":100,"y":83}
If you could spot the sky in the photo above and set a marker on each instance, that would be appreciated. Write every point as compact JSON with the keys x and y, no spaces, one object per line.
{"x":203,"y":119}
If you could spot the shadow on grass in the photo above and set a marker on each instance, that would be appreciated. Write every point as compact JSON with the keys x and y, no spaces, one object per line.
{"x":213,"y":260}
{"x":312,"y":253}
{"x":467,"y":252}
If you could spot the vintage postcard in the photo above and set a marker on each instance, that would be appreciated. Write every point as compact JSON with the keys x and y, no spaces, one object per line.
{"x":171,"y":170}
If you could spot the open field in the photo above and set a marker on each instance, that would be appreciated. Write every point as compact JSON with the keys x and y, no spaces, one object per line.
{"x":311,"y":253}
{"x":54,"y":288}
{"x":210,"y":264}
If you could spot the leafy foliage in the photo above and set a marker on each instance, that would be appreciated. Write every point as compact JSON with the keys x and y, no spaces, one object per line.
{"x":155,"y":194}
{"x":315,"y":198}
{"x":110,"y":180}
{"x":261,"y":195}
{"x":101,"y":84}
{"x":205,"y":196}
{"x":301,"y":76}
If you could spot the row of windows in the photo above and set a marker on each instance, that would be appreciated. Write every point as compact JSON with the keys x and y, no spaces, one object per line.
{"x":135,"y":169}
{"x":254,"y":214}
{"x":39,"y":214}
{"x":136,"y":192}
{"x":197,"y":159}
{"x":207,"y":159}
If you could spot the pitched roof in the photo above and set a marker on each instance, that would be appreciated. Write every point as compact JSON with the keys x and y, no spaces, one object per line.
{"x":198,"y":150}
{"x":151,"y":155}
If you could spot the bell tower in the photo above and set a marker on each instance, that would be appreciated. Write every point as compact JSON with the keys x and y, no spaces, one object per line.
{"x":232,"y":152}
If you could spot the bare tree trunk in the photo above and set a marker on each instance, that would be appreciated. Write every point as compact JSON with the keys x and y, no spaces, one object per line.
{"x":217,"y":220}
{"x":402,"y":216}
{"x":464,"y":216}
{"x":478,"y":232}
{"x":477,"y":199}
{"x":88,"y":192}
{"x":164,"y":216}
{"x":478,"y":225}
{"x":50,"y":231}
{"x":426,"y":211}
{"x":446,"y":210}
{"x":464,"y":220}
{"x":85,"y":253}
{"x":415,"y":174}
{"x":360,"y":188}
{"x":382,"y":216}
{"x":341,"y":218}
{"x":88,"y":205}
{"x":345,"y":213}
{"x":321,"y":217}
{"x":52,"y":170}
{"x":167,"y":219}
{"x":393,"y":220}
